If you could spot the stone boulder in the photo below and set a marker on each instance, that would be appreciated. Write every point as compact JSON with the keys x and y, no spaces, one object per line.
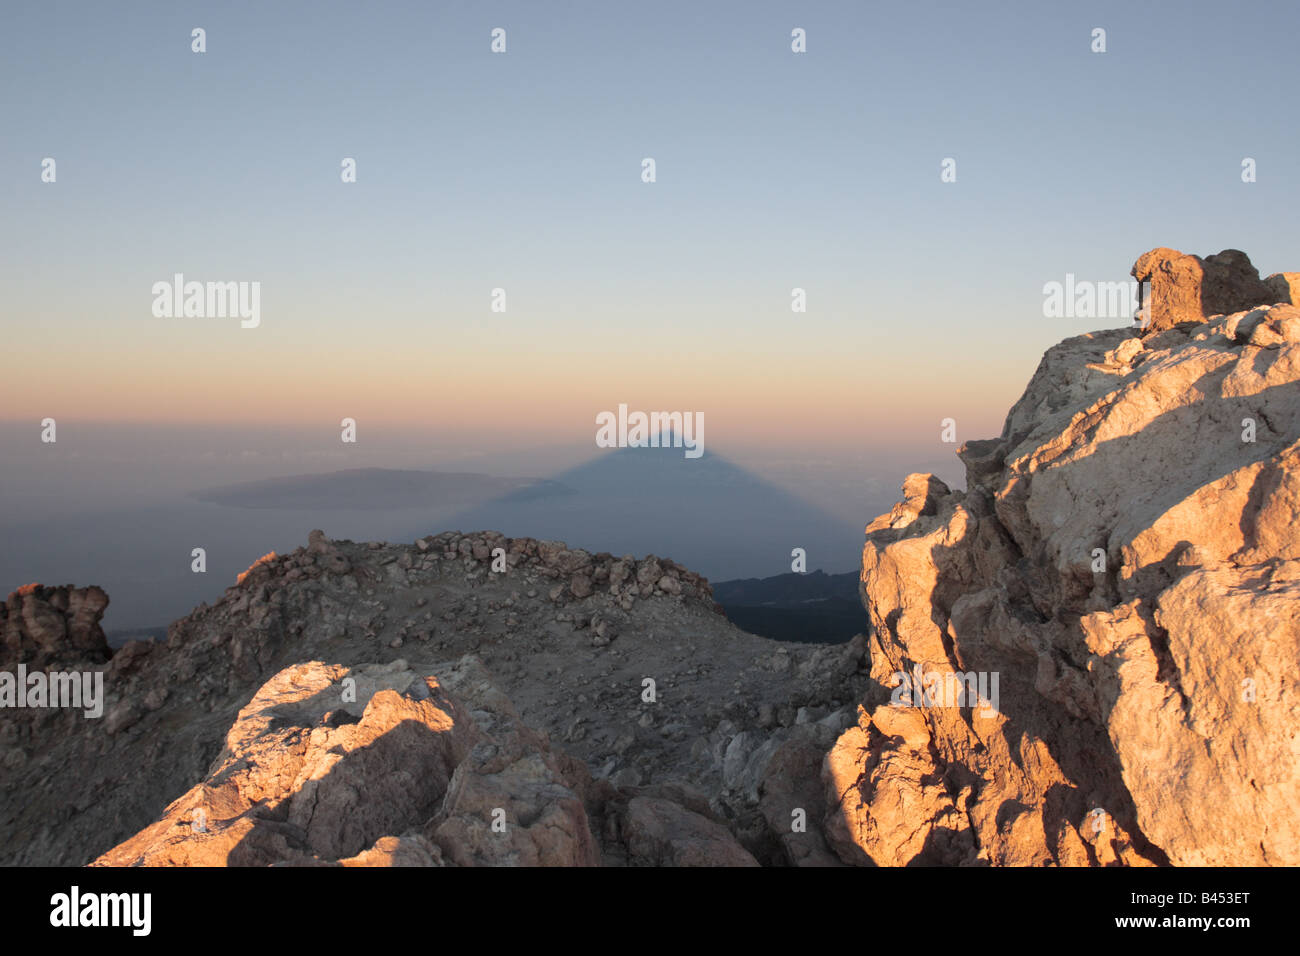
{"x":373,"y":765}
{"x":44,"y":626}
{"x":1285,"y":287}
{"x":660,"y":832}
{"x":1187,"y":288}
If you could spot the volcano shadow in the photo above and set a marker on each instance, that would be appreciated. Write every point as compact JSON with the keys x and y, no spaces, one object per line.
{"x":707,"y":513}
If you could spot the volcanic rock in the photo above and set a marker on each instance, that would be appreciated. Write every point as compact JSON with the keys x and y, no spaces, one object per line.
{"x":1123,"y":560}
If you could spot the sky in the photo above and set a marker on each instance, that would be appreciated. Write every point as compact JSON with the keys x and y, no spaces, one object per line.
{"x":522,"y":170}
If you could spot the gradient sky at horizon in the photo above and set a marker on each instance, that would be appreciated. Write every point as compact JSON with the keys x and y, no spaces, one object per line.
{"x":522,"y":171}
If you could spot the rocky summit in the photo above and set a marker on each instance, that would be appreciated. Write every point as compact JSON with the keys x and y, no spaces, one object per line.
{"x":1085,"y":658}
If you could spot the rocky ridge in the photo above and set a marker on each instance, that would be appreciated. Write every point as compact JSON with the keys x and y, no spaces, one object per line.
{"x":569,"y":640}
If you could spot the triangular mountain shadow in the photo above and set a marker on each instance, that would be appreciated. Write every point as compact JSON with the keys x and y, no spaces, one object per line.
{"x":707,"y":513}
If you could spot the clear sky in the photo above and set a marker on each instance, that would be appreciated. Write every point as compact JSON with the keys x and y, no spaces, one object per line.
{"x":477,"y":170}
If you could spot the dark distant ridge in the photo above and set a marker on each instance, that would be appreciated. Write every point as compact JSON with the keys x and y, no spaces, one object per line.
{"x":788,"y":589}
{"x":812,"y":608}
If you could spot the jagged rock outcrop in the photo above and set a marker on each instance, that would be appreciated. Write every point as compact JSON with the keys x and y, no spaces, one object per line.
{"x":1187,"y":288}
{"x":50,"y":626}
{"x":1124,"y":562}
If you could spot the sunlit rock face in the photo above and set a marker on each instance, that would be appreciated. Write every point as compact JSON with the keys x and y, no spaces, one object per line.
{"x":370,"y":766}
{"x":1187,"y":288}
{"x":1125,"y":561}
